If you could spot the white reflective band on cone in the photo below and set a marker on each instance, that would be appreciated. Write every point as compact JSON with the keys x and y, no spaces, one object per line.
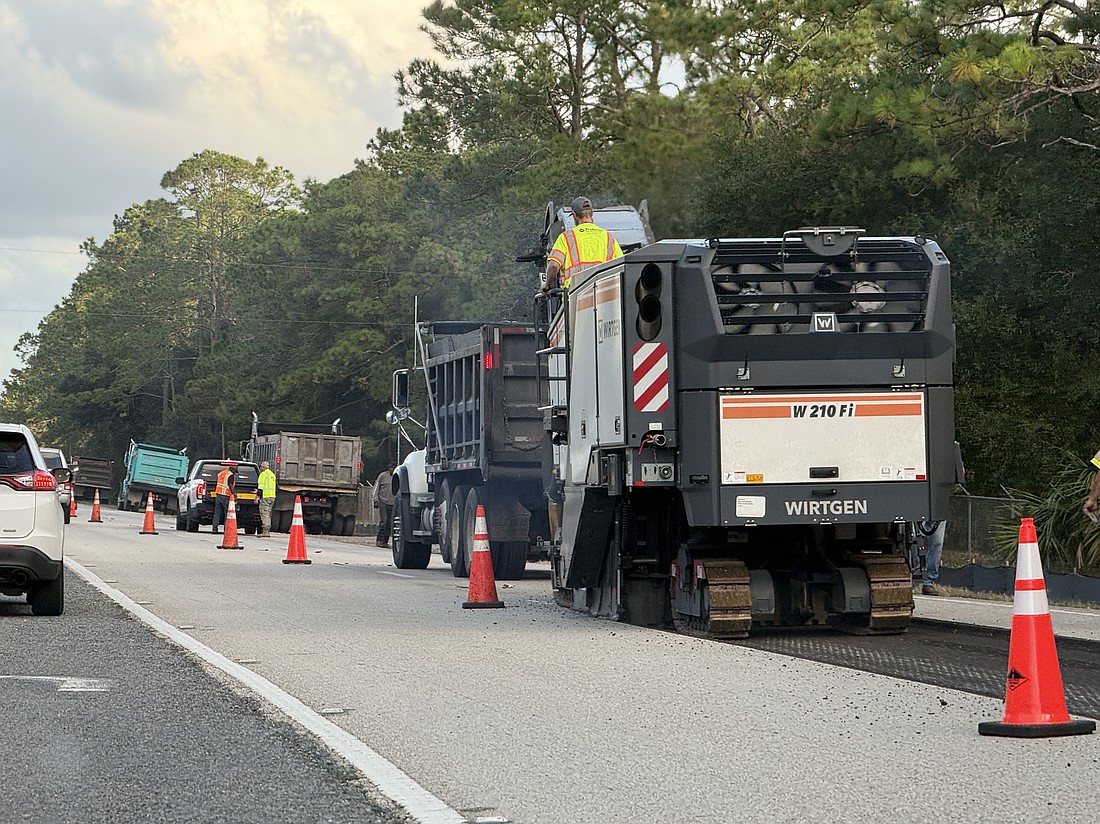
{"x":1030,"y":602}
{"x":1028,"y":565}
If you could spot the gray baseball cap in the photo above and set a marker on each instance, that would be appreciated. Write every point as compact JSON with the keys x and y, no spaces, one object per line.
{"x":580,"y":204}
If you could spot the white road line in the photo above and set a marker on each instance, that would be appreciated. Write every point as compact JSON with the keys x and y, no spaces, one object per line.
{"x":389,"y":779}
{"x":395,"y":574}
{"x":65,"y":683}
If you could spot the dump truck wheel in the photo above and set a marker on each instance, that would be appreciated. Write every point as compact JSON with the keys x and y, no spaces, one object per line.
{"x":443,"y":511}
{"x":407,"y":554}
{"x":509,"y":559}
{"x":474,"y":497}
{"x":456,"y":508}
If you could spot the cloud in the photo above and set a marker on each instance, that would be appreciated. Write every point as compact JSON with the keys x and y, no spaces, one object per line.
{"x":102,"y":97}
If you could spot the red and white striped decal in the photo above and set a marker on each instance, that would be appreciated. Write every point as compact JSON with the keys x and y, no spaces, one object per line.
{"x":650,"y":377}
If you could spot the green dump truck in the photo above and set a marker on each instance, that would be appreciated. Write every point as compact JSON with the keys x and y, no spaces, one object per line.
{"x":151,"y":468}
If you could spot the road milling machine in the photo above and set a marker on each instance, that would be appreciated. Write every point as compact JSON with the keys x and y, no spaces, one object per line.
{"x":745,"y":430}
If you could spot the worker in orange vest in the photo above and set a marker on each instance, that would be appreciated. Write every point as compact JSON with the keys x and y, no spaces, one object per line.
{"x":227,"y":484}
{"x":576,"y":248}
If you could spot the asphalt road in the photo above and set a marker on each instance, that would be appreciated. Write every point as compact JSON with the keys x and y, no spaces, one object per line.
{"x":104,"y":721}
{"x":528,"y":714}
{"x":972,"y":659}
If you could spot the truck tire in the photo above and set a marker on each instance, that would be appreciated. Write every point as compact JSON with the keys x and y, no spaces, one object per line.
{"x":443,"y":510}
{"x":456,"y":528}
{"x":407,"y":554}
{"x":348,"y":526}
{"x":509,"y":559}
{"x":192,"y":521}
{"x":181,"y":522}
{"x":475,"y":497}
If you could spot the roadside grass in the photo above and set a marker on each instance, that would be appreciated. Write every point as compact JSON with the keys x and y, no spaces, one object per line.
{"x":962,"y":592}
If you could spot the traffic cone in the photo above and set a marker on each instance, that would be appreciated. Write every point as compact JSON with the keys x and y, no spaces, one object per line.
{"x":229,"y":541}
{"x":296,"y":549}
{"x":72,"y":506}
{"x":1035,"y":702}
{"x":150,"y":526}
{"x":95,"y":519}
{"x":483,"y":587}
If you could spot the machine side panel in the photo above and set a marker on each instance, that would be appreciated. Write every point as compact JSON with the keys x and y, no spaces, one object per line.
{"x":583,"y":383}
{"x":609,"y":358}
{"x":699,"y":470}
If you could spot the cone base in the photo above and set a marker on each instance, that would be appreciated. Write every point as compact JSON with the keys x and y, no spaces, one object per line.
{"x":297,"y":561}
{"x":236,"y":546}
{"x":483,"y":605}
{"x":1079,"y":727}
{"x":143,"y":532}
{"x":95,"y":520}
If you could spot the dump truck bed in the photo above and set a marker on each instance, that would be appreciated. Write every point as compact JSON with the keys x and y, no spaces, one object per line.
{"x":484,"y":397}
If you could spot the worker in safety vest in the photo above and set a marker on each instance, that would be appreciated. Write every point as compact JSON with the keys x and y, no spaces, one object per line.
{"x":265,"y":484}
{"x":227,"y":482}
{"x":576,"y":248}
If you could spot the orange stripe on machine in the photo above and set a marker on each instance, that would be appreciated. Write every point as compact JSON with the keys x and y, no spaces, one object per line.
{"x":822,"y":406}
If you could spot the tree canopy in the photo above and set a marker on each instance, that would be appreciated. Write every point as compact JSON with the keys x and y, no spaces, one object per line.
{"x":974,"y":122}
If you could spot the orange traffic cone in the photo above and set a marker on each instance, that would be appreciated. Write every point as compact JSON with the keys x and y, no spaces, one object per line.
{"x":150,"y":526}
{"x":483,"y":587}
{"x":1035,"y":702}
{"x":296,"y":549}
{"x":72,"y":506}
{"x":230,"y":540}
{"x":95,"y":519}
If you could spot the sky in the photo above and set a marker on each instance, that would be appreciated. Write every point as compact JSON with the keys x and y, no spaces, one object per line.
{"x":99,"y":98}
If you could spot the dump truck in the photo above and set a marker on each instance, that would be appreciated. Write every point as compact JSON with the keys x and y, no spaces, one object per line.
{"x":151,"y":468}
{"x":315,"y":462}
{"x":484,"y":444}
{"x":90,"y":474}
{"x":747,"y":428}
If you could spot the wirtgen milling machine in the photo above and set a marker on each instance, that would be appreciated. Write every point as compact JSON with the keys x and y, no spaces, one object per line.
{"x":747,"y":428}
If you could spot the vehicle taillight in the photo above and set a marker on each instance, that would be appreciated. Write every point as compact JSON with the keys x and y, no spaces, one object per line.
{"x":488,"y":361}
{"x":200,"y":489}
{"x":36,"y":481}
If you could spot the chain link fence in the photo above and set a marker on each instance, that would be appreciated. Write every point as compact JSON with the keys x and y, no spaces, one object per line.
{"x":972,"y":560}
{"x":971,"y":523}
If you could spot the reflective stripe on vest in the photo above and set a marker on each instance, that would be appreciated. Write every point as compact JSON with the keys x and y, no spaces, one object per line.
{"x":223,"y":483}
{"x":586,"y":245}
{"x":573,"y":257}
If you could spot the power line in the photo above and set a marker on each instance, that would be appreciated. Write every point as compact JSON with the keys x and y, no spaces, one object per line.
{"x":242,"y":319}
{"x":106,"y":257}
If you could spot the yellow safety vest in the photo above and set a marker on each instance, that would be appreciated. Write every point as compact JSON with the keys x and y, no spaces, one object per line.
{"x":582,"y":246}
{"x":266,"y":483}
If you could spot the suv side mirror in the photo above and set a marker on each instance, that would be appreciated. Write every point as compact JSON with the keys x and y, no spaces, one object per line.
{"x":62,"y":475}
{"x":181,"y":480}
{"x":400,"y":398}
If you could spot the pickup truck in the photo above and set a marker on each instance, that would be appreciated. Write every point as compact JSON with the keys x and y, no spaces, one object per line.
{"x":196,"y":495}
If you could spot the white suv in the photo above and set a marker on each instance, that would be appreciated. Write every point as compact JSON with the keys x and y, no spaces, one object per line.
{"x":55,"y":459}
{"x":32,"y":523}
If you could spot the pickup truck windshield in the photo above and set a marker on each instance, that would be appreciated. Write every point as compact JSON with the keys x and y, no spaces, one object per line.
{"x":246,"y":475}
